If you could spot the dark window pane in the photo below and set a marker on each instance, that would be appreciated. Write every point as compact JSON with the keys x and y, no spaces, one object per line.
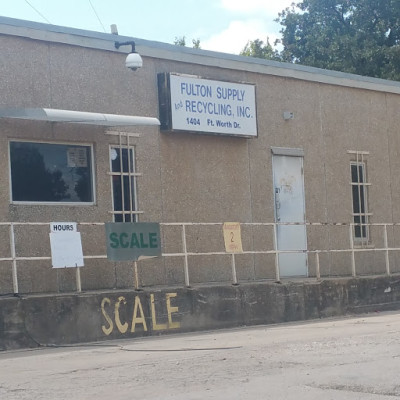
{"x":362,"y":200}
{"x":46,"y":172}
{"x":116,"y":160}
{"x":360,"y":229}
{"x":359,"y":206}
{"x":356,"y":201}
{"x":354,"y":177}
{"x":361,"y":173}
{"x":123,"y":187}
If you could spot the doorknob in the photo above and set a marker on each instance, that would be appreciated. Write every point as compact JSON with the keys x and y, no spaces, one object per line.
{"x":277,"y":204}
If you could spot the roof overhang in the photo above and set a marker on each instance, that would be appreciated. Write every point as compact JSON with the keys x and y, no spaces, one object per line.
{"x":77,"y":117}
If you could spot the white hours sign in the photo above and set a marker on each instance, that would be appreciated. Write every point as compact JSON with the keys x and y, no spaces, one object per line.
{"x":194,"y":104}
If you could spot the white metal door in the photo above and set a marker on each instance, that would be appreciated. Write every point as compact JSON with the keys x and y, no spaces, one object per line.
{"x":290,"y":208}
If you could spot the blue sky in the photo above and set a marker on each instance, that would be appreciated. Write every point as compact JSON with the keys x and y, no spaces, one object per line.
{"x":221,"y":25}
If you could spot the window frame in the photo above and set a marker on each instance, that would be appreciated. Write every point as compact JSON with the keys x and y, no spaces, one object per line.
{"x":54,"y":203}
{"x":362,"y":197}
{"x":132,"y":176}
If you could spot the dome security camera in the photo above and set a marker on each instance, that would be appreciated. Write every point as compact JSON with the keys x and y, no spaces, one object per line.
{"x":134,"y":61}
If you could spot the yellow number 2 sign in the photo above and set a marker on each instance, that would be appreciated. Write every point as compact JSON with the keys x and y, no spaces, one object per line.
{"x":232,"y":237}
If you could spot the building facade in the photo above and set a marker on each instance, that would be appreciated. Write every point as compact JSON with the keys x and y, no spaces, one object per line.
{"x":304,"y":159}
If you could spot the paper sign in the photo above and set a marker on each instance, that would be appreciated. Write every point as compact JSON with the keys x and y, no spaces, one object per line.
{"x":77,"y":157}
{"x":232,"y":237}
{"x":66,"y":249}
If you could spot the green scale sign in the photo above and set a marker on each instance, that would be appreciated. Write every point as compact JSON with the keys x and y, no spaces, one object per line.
{"x":128,"y":241}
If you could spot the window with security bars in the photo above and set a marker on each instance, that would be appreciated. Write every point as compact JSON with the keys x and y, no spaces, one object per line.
{"x":359,"y":186}
{"x":123,"y":183}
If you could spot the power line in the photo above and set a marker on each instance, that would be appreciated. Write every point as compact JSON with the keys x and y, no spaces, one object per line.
{"x":94,"y":10}
{"x":29,"y":4}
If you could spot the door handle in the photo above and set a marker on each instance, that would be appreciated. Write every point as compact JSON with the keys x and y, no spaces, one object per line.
{"x":277,"y":204}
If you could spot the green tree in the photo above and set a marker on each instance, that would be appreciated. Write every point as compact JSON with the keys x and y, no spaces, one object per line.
{"x":181,"y":41}
{"x":356,"y":36}
{"x":196,"y":43}
{"x":257,"y":48}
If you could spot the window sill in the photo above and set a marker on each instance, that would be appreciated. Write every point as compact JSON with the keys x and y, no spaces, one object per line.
{"x":363,"y":246}
{"x":49,"y":203}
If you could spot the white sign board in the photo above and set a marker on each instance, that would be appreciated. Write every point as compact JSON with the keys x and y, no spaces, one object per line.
{"x":63,"y":227}
{"x":66,"y":245}
{"x":66,"y":249}
{"x":204,"y":105}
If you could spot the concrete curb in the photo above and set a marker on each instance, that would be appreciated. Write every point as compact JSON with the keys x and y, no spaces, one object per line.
{"x":65,"y":319}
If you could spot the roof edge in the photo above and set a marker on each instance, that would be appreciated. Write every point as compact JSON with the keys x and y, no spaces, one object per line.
{"x":154,"y":49}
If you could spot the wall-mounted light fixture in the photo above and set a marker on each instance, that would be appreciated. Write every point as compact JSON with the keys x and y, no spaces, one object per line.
{"x":288,"y":115}
{"x":133,"y":60}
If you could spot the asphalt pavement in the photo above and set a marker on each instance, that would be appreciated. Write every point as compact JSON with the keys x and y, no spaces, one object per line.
{"x":348,"y":358}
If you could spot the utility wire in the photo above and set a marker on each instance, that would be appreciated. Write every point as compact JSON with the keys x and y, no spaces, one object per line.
{"x":29,"y":4}
{"x":94,"y":10}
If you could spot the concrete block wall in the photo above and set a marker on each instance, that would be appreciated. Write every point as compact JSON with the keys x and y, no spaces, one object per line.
{"x":32,"y":321}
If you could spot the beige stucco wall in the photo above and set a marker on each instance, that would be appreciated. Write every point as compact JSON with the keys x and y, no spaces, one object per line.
{"x":192,"y":177}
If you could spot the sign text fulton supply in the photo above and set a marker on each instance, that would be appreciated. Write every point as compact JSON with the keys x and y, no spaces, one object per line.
{"x":190,"y":103}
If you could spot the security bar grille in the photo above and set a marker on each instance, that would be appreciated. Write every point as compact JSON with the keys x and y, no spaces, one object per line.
{"x":123,"y":179}
{"x":359,"y":187}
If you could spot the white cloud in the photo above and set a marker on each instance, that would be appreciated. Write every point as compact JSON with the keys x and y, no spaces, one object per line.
{"x":251,"y":19}
{"x":235,"y":37}
{"x":267,"y":7}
